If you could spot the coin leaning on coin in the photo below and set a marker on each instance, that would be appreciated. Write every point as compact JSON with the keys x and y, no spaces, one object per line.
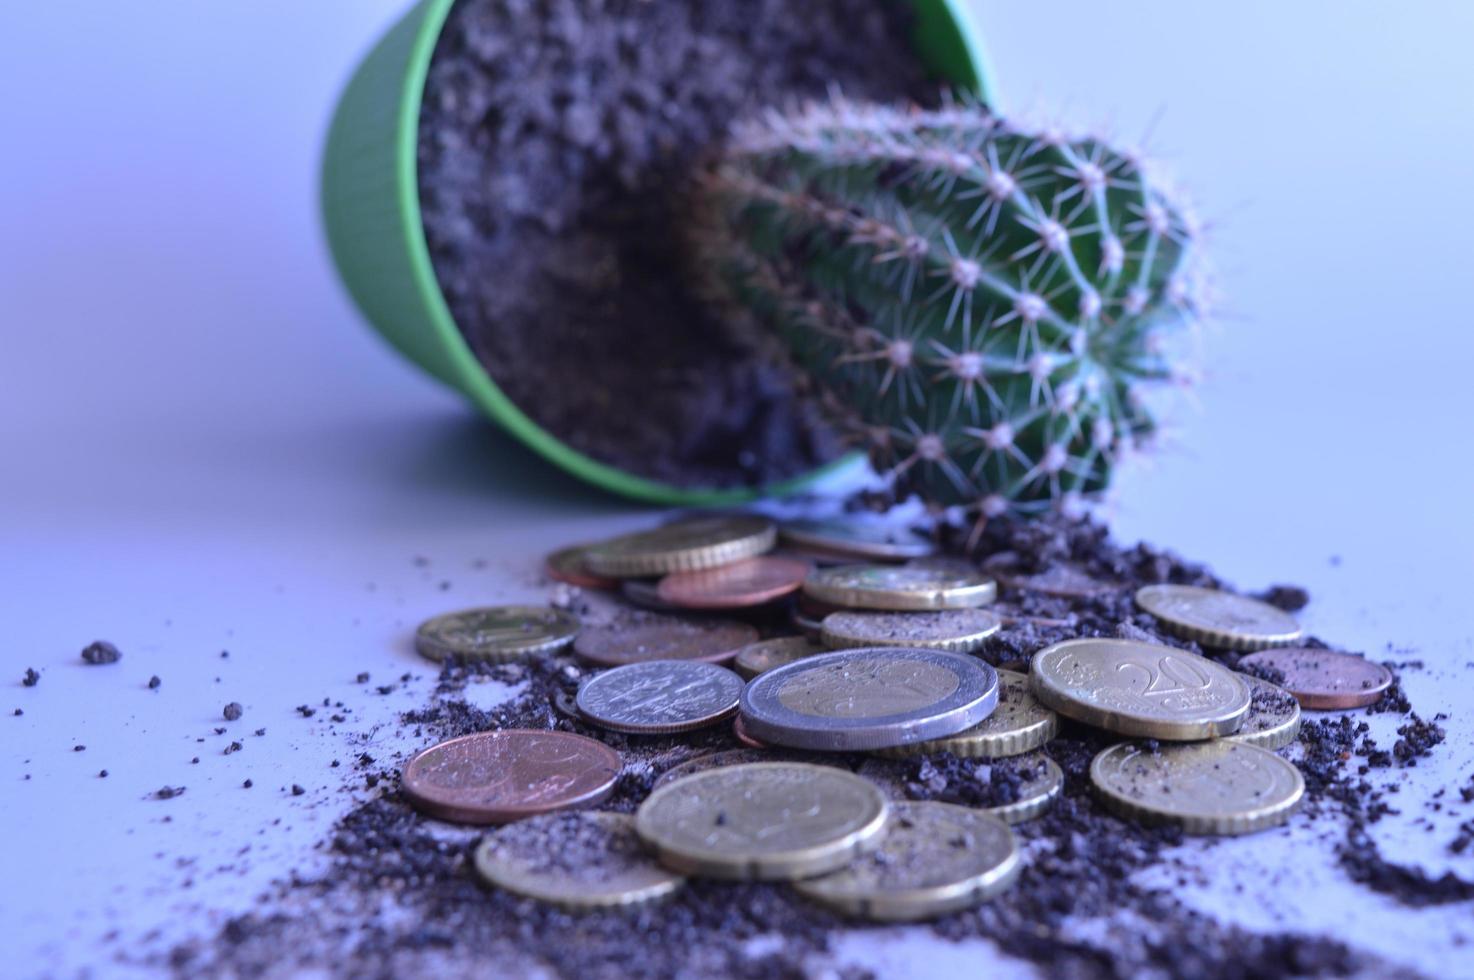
{"x":686,"y":546}
{"x":904,"y":588}
{"x":1218,"y":619}
{"x":1143,"y":690}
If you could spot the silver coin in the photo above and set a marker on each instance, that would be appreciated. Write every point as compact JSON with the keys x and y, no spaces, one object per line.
{"x":860,"y":539}
{"x":659,"y":696}
{"x":870,"y":698}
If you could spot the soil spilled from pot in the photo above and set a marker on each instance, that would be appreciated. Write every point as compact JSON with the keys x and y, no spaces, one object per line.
{"x":400,"y":896}
{"x":555,"y":138}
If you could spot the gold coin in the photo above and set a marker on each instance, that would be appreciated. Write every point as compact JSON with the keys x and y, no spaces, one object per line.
{"x":1218,"y":619}
{"x":764,"y":655}
{"x":768,"y":821}
{"x":957,"y":630}
{"x":1019,"y":724}
{"x":1139,"y":689}
{"x":686,"y":546}
{"x":905,"y":588}
{"x":1217,"y":787}
{"x":1044,"y":781}
{"x":578,"y":860}
{"x":933,"y":858}
{"x":496,"y":633}
{"x":1273,"y":720}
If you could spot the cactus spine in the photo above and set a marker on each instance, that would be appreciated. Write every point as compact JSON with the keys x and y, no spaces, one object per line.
{"x":983,"y":306}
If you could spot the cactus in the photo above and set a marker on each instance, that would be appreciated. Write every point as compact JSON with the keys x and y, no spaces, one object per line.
{"x":982,"y":306}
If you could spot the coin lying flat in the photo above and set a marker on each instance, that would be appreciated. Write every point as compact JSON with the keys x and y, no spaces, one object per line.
{"x":496,"y":633}
{"x":1043,"y":781}
{"x":811,"y":628}
{"x":933,"y":858}
{"x":1218,"y":619}
{"x":567,"y":565}
{"x":704,"y":542}
{"x":740,"y":733}
{"x":659,"y":696}
{"x":870,"y":698}
{"x":737,"y":757}
{"x":858,"y":539}
{"x":1273,"y":720}
{"x":575,"y":860}
{"x":1139,"y":689}
{"x":741,"y":584}
{"x":1217,"y":787}
{"x":763,"y":656}
{"x":1325,"y":680}
{"x":1060,"y":579}
{"x":645,"y":593}
{"x":766,"y":821}
{"x":506,"y":775}
{"x":904,"y":588}
{"x":957,"y":630}
{"x":713,"y":641}
{"x":1019,"y":724}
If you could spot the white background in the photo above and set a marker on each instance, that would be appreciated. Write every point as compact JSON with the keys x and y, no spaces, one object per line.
{"x":201,"y":448}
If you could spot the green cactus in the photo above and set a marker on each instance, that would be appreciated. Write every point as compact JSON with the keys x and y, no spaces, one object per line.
{"x":982,"y":306}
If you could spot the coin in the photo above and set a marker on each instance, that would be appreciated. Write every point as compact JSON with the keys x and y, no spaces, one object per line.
{"x":871,"y":698}
{"x":1217,"y":787}
{"x":905,"y":588}
{"x":505,"y":775}
{"x":660,"y":696}
{"x":750,"y":582}
{"x":645,"y":593}
{"x":765,"y":821}
{"x":496,"y":633}
{"x":688,"y":545}
{"x":858,"y":539}
{"x":737,"y":757}
{"x":1218,"y":619}
{"x":811,"y":628}
{"x":1325,"y":680}
{"x":932,"y":859}
{"x":1139,"y":689}
{"x":1273,"y":720}
{"x":1043,"y":781}
{"x":1019,"y":724}
{"x":739,"y":732}
{"x":1060,"y":579}
{"x":757,"y":658}
{"x":574,"y":860}
{"x":714,"y":641}
{"x":957,"y":630}
{"x":567,"y":565}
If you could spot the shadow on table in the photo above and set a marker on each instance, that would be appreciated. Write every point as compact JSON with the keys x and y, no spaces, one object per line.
{"x":468,"y":456}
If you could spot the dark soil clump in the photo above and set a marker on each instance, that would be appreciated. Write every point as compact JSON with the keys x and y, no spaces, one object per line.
{"x":100,"y":652}
{"x":554,"y":139}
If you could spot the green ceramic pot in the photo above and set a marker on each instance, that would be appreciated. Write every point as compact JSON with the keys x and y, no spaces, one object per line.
{"x":371,"y":208}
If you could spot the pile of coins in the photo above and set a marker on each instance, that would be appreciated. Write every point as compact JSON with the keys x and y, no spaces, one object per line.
{"x":884,"y":662}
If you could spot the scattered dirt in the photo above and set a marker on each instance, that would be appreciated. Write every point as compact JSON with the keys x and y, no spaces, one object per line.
{"x":554,"y":139}
{"x":1078,"y":909}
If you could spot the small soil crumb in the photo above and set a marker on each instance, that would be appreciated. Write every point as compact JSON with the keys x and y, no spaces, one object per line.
{"x":79,"y":748}
{"x":247,"y":784}
{"x":154,"y":682}
{"x":1290,"y":598}
{"x":30,"y":679}
{"x":233,"y":711}
{"x":168,"y":792}
{"x":297,"y":790}
{"x":102,"y":774}
{"x":101,"y":652}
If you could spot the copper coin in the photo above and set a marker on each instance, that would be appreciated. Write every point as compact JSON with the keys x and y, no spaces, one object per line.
{"x":715,"y":641}
{"x":644,"y":592}
{"x":567,"y":565}
{"x":750,"y":582}
{"x":739,"y":732}
{"x":497,"y":777}
{"x":1324,"y":680}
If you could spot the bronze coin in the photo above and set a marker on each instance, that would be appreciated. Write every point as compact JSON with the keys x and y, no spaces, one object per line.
{"x":567,"y":565}
{"x":751,"y":582}
{"x":714,"y":641}
{"x":740,"y":733}
{"x":1324,"y":680}
{"x":497,"y":777}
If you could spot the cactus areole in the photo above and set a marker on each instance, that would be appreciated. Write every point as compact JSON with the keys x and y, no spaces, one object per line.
{"x":983,"y":307}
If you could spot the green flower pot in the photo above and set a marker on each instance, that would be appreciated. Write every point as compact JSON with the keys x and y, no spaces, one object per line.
{"x":371,"y":208}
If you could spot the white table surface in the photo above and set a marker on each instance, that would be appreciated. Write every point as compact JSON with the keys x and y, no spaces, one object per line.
{"x":201,"y":449}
